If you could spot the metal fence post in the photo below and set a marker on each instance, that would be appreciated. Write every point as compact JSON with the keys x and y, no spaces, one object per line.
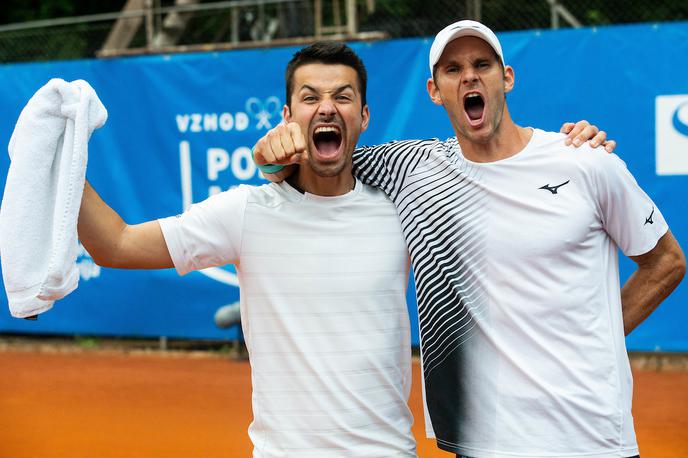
{"x":317,"y":6}
{"x":351,"y":19}
{"x":149,"y":24}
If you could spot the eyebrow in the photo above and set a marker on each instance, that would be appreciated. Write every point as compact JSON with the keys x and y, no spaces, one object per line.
{"x":341,"y":89}
{"x":474,"y":61}
{"x":336,"y":91}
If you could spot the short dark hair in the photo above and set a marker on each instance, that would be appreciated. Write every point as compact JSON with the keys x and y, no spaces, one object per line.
{"x":327,"y":52}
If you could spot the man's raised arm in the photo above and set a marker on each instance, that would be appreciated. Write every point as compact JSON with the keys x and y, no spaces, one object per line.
{"x":113,"y":243}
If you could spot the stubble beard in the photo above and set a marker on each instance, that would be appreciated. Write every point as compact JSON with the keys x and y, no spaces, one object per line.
{"x":331,"y":169}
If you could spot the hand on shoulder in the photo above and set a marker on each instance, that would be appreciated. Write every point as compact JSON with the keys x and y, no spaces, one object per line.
{"x":582,"y":131}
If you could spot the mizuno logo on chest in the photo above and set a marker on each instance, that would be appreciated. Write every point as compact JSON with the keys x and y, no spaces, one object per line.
{"x":554,"y":189}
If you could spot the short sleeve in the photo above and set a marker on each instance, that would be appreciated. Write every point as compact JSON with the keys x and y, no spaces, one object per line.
{"x":629,"y":216}
{"x":209,"y":233}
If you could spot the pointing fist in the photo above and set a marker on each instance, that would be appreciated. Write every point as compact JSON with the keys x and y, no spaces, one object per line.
{"x":285,"y":144}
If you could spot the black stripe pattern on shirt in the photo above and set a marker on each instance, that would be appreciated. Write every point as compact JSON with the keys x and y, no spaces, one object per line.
{"x":440,"y":205}
{"x":442,"y":209}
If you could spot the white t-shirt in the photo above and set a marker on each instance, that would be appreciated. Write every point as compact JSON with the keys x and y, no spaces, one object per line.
{"x":323,"y":309}
{"x":535,"y":365}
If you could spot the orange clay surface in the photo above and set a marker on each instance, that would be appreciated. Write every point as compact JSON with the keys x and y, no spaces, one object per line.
{"x":100,"y":404}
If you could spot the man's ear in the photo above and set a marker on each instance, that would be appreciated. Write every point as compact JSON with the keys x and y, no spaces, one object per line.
{"x":509,"y":78}
{"x":434,"y":92}
{"x":286,"y":113}
{"x":365,"y":114}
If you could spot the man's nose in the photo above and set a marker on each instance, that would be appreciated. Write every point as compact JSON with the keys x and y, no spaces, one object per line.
{"x":327,"y":107}
{"x":469,"y":76}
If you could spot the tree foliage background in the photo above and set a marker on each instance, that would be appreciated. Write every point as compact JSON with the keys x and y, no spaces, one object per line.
{"x":399,"y":18}
{"x":31,"y":10}
{"x":422,"y":17}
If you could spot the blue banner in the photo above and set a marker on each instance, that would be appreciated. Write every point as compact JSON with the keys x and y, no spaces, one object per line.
{"x":181,"y":126}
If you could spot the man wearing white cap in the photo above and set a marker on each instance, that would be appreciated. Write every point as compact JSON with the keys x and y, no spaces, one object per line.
{"x":544,"y":371}
{"x":513,"y":237}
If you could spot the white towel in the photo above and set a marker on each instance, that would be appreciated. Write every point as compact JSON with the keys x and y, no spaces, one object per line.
{"x":45,"y":182}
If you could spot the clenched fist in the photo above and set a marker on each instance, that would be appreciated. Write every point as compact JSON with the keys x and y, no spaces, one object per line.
{"x":285,"y":144}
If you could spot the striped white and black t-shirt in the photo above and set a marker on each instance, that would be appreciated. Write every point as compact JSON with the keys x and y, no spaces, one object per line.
{"x":516,"y":271}
{"x":323,"y":308}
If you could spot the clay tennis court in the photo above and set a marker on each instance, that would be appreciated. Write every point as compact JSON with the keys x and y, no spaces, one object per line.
{"x":113,"y":404}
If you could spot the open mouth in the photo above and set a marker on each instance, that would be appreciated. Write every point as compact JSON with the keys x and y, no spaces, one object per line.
{"x":327,"y":141}
{"x":474,"y":105}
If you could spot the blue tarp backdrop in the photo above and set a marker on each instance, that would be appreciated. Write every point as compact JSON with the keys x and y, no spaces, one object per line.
{"x":180,"y":128}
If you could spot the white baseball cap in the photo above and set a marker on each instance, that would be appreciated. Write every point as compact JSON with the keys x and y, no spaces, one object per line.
{"x":460,"y":29}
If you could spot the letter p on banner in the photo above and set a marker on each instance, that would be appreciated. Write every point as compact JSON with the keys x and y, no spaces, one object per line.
{"x":671,"y":134}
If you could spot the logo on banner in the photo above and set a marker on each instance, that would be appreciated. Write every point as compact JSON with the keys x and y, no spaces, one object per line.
{"x":226,"y":158}
{"x":671,"y":130}
{"x":264,"y":111}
